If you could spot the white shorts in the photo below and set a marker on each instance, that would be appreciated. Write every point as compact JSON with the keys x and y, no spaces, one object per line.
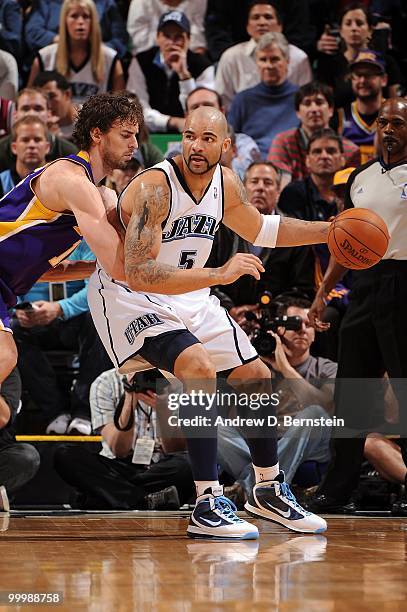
{"x":125,"y":318}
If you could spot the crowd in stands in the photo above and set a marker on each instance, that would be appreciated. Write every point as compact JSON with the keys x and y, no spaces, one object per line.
{"x":301,"y":83}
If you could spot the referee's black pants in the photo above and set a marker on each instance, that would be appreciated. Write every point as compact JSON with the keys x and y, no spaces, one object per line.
{"x":372,"y":341}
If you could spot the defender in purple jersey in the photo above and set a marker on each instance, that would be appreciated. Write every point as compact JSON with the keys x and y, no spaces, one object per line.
{"x":45,"y":216}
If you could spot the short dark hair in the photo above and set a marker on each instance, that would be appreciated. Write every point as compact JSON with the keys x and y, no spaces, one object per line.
{"x":312,"y":89}
{"x":28,"y":120}
{"x":253,"y":3}
{"x":325,"y":133}
{"x":356,"y":6}
{"x":47,"y":76}
{"x":265,"y":162}
{"x":101,"y":111}
{"x":284,"y":301}
{"x":202,"y":88}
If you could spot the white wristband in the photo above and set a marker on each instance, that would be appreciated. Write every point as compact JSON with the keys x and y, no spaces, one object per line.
{"x":267,"y":236}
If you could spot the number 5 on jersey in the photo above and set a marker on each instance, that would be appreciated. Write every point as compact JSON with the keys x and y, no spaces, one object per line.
{"x":187,"y":259}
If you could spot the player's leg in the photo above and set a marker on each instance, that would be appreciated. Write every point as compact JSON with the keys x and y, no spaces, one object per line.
{"x":8,"y":352}
{"x":214,"y":515}
{"x":271,"y":497}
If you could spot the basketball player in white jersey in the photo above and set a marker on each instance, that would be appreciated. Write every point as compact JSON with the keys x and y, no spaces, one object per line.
{"x":166,"y":317}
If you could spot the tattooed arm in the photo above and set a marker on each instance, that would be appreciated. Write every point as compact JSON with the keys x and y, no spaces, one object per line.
{"x":244,"y":218}
{"x":148,"y":199}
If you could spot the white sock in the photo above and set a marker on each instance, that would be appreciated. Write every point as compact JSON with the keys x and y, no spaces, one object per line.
{"x":202,"y":485}
{"x":266,"y":473}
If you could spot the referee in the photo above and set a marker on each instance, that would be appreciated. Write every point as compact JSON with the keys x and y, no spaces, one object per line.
{"x":373,"y":335}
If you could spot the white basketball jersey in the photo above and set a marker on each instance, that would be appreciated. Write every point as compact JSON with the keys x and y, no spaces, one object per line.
{"x":189,"y":230}
{"x":82,"y":81}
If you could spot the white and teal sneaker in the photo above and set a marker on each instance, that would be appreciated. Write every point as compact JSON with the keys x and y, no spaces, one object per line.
{"x":214,"y":517}
{"x":273,"y":500}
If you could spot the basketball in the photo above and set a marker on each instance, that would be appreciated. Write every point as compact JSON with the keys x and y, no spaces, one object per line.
{"x":358,"y":238}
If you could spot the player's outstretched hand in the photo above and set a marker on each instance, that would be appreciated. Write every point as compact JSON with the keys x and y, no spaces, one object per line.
{"x":315,"y":314}
{"x":238,"y":265}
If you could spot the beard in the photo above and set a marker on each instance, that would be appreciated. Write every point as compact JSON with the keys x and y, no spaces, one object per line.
{"x":114,"y":162}
{"x":208,"y":165}
{"x":369,"y":97}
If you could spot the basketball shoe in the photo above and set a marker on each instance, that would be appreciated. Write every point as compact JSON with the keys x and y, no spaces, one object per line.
{"x":214,"y":517}
{"x":273,"y":500}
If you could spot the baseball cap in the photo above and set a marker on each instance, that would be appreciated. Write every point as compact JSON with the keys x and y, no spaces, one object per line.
{"x":341,"y":177}
{"x":368,"y":57}
{"x":177,"y":17}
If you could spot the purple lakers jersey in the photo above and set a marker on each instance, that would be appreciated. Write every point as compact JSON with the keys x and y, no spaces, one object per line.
{"x":33,"y":238}
{"x":354,"y":128}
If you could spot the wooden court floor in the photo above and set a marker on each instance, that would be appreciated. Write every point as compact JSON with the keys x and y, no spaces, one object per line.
{"x":133,"y":561}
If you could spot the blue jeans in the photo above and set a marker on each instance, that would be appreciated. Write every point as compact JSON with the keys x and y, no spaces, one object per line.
{"x":298,"y":444}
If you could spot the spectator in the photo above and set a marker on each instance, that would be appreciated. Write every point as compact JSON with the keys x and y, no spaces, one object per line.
{"x":335,"y":54}
{"x":314,"y":105}
{"x":144,"y":15}
{"x":225,"y":23}
{"x":357,"y":121}
{"x":6,"y":115}
{"x":79,"y":55}
{"x":59,"y":92}
{"x":8,"y":76}
{"x":58,"y":319}
{"x":164,"y":75}
{"x":237,"y":68}
{"x":148,"y":154}
{"x":117,"y":478}
{"x":313,"y":199}
{"x":30,"y":145}
{"x":285,"y":267}
{"x":11,"y":27}
{"x":42,"y":27}
{"x":18,"y":462}
{"x":230,"y":154}
{"x":247,"y":150}
{"x":31,"y":101}
{"x":304,"y":386}
{"x":266,"y":109}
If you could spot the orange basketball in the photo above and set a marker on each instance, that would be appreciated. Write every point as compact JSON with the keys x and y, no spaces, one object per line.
{"x":358,"y":238}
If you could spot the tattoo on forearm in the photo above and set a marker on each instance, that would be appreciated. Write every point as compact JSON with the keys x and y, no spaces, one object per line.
{"x":143,"y":236}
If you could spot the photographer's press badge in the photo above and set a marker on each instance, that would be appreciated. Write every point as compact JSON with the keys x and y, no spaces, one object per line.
{"x":143,"y":451}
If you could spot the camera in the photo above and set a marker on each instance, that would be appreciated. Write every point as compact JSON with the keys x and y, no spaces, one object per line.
{"x":263,"y":342}
{"x":143,"y":381}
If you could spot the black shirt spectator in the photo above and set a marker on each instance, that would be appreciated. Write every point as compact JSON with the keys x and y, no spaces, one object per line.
{"x":225,"y":23}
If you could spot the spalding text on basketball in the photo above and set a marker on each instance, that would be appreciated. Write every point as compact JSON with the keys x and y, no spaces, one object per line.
{"x":358,"y":255}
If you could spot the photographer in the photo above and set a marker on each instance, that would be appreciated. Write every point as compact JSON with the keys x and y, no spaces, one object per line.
{"x":135,"y":469}
{"x":302,"y":382}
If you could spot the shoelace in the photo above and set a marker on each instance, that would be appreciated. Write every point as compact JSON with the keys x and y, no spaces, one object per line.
{"x":227,"y":508}
{"x":286,"y":491}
